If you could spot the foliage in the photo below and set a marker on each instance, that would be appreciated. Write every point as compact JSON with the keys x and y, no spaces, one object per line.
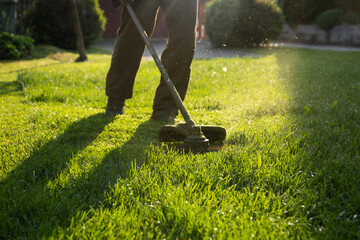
{"x":304,"y":11}
{"x":3,"y":20}
{"x":348,"y":5}
{"x":350,"y":18}
{"x":289,"y":169}
{"x":51,"y":22}
{"x":329,"y":18}
{"x":15,"y":46}
{"x":242,"y":23}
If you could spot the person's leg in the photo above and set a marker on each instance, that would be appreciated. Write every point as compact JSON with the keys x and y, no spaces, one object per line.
{"x":180,"y":18}
{"x":128,"y":50}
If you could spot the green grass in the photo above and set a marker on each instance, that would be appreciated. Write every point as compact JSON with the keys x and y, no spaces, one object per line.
{"x":289,"y":169}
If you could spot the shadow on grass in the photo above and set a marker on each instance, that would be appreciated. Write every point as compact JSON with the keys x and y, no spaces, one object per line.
{"x":47,"y":56}
{"x":43,"y":51}
{"x":25,"y":188}
{"x":32,"y":207}
{"x":9,"y":87}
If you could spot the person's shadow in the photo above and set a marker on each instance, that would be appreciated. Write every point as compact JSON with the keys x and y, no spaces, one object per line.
{"x":31,"y":205}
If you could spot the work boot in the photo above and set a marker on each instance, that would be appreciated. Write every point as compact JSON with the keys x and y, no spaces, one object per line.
{"x":165,"y":116}
{"x":115,"y":106}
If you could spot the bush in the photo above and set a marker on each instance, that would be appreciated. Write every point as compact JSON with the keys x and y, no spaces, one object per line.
{"x":329,"y":18}
{"x":348,"y":5}
{"x":15,"y":46}
{"x":51,"y":22}
{"x":242,"y":23}
{"x":304,"y":11}
{"x":351,"y":18}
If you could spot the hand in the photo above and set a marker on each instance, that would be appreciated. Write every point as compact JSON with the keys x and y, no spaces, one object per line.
{"x":117,"y":3}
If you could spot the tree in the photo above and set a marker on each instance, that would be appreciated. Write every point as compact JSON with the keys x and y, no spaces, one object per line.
{"x":79,"y":36}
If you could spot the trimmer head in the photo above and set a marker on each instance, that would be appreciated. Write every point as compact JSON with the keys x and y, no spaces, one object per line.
{"x":176,"y":133}
{"x":196,"y":139}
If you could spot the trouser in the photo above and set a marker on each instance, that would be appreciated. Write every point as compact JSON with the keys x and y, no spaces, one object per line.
{"x":180,"y":18}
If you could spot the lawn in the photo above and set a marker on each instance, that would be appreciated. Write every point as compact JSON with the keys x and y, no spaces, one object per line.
{"x":289,"y":168}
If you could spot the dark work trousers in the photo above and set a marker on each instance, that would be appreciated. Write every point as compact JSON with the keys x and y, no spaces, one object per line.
{"x":180,"y":17}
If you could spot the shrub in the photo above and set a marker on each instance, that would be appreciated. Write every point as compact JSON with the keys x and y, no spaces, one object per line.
{"x":242,"y":23}
{"x":351,"y":18}
{"x":348,"y":5}
{"x":304,"y":11}
{"x":15,"y":46}
{"x":329,"y":18}
{"x":51,"y":22}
